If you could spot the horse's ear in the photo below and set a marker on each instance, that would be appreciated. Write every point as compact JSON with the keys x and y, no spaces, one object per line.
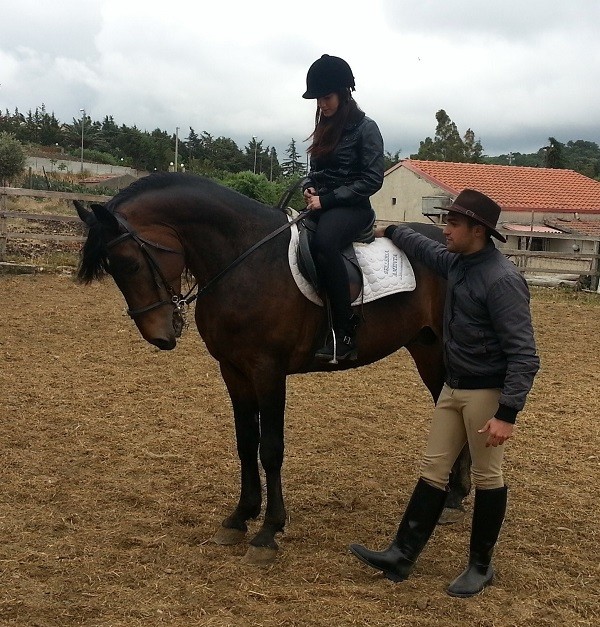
{"x":104,"y":216}
{"x":85,"y":215}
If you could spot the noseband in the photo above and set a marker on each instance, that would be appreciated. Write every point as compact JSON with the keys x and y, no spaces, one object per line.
{"x":177,"y":301}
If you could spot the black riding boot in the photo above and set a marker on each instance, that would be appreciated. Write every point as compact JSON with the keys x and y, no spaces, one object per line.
{"x":344,"y":347}
{"x":419,"y":521}
{"x":488,"y":515}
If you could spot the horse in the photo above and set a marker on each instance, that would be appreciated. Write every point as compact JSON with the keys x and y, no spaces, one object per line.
{"x":252,"y":317}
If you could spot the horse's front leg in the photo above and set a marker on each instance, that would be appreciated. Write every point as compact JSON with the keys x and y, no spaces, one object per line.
{"x":271,"y":393}
{"x":247,"y":433}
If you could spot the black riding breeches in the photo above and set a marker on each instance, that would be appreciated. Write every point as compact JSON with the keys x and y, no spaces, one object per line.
{"x":336,"y":228}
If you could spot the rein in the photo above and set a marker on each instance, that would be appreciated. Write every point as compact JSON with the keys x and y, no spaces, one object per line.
{"x":178,"y":301}
{"x":237,"y":261}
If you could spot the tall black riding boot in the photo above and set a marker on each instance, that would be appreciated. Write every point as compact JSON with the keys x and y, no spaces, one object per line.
{"x":488,"y":515}
{"x":417,"y":525}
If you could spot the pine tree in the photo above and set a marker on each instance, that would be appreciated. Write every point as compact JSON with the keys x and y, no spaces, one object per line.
{"x":293,"y":166}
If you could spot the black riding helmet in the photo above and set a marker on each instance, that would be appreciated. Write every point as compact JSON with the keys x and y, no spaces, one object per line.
{"x":326,"y":75}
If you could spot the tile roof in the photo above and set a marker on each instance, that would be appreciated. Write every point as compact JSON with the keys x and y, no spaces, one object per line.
{"x":514,"y":188}
{"x":579,"y":227}
{"x":531,"y":228}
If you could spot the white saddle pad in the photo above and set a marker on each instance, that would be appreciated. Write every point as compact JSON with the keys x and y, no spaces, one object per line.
{"x":386,"y":270}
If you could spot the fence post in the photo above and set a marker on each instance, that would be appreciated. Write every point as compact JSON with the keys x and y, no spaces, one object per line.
{"x":2,"y":225}
{"x":2,"y":236}
{"x":596,"y":268}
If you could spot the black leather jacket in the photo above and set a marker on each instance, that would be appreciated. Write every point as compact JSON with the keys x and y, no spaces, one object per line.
{"x":488,"y":333}
{"x":353,"y":171}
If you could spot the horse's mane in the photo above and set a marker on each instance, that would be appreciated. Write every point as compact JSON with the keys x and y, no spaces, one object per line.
{"x":93,"y":258}
{"x":93,"y":262}
{"x":159,"y":181}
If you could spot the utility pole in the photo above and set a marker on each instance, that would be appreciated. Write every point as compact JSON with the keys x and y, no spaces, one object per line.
{"x":82,"y":127}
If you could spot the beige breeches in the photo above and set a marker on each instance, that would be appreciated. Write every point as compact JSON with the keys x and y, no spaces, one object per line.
{"x":457,"y":417}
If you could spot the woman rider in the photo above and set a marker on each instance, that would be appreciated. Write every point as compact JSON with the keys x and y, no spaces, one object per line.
{"x":346,"y":168}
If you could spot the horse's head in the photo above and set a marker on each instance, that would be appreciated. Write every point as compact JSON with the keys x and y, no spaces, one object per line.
{"x":146,"y":265}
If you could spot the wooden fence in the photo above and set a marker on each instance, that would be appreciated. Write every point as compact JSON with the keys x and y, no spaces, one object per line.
{"x":5,"y":216}
{"x":558,"y":264}
{"x":544,"y":262}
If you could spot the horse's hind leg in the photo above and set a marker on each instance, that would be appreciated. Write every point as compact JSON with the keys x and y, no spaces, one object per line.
{"x":247,"y":432}
{"x":426,"y":351}
{"x":460,"y":486}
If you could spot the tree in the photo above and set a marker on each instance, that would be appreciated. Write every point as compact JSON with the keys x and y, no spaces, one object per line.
{"x":192,"y":147}
{"x":254,"y":154}
{"x":554,"y":158}
{"x":292,"y":166}
{"x":447,"y":138}
{"x":473,"y":148}
{"x":252,"y":185}
{"x":583,"y":156}
{"x":274,"y":167}
{"x":71,"y":133}
{"x":12,"y":158}
{"x":447,"y":144}
{"x":390,"y":159}
{"x":579,"y":155}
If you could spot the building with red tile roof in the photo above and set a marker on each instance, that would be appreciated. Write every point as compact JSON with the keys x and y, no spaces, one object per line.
{"x":576,"y":227}
{"x":544,"y":210}
{"x":411,"y":188}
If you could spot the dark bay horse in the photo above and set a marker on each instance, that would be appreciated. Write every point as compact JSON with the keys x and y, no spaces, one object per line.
{"x":254,"y":320}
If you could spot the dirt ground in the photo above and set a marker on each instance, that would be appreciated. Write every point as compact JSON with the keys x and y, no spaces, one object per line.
{"x":119,"y":463}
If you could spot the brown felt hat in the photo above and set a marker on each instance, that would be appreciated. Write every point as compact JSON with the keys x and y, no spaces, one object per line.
{"x":478,"y":207}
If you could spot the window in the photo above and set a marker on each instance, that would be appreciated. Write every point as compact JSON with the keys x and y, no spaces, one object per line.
{"x":534,"y":243}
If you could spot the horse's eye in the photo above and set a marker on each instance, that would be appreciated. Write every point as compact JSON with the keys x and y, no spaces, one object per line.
{"x":123,"y":265}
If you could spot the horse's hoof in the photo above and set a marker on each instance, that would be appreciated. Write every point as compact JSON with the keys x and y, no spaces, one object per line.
{"x":259,"y":556}
{"x":227,"y":536}
{"x":451,"y":515}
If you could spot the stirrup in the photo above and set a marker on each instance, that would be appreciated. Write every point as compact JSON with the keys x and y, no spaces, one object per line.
{"x":331,"y":352}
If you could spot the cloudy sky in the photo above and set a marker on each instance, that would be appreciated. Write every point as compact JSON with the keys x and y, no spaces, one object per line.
{"x":515,"y":71}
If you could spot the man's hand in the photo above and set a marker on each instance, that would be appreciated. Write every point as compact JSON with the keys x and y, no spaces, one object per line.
{"x":498,"y":431}
{"x":379,"y":231}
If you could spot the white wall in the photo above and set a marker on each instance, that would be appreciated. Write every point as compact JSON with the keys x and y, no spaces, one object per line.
{"x":408,"y":189}
{"x":74,"y":167}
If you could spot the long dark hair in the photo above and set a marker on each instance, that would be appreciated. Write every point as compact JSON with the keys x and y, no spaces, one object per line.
{"x":328,"y":131}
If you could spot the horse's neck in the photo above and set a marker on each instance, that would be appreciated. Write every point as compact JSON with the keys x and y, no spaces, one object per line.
{"x":213,"y":239}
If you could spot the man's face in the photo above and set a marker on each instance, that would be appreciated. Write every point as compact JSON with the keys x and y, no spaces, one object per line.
{"x":462,"y":236}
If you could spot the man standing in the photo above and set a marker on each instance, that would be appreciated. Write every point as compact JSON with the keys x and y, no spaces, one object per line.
{"x":491,"y":361}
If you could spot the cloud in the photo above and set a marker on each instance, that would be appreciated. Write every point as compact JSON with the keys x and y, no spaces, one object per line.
{"x":514,"y":72}
{"x":474,"y":20}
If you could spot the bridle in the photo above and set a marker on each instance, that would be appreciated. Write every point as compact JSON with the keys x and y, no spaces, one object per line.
{"x":177,"y":301}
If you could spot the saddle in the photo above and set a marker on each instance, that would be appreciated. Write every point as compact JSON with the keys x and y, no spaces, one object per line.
{"x":306,"y":264}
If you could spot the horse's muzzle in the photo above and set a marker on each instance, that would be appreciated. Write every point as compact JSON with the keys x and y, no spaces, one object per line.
{"x":164,"y":344}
